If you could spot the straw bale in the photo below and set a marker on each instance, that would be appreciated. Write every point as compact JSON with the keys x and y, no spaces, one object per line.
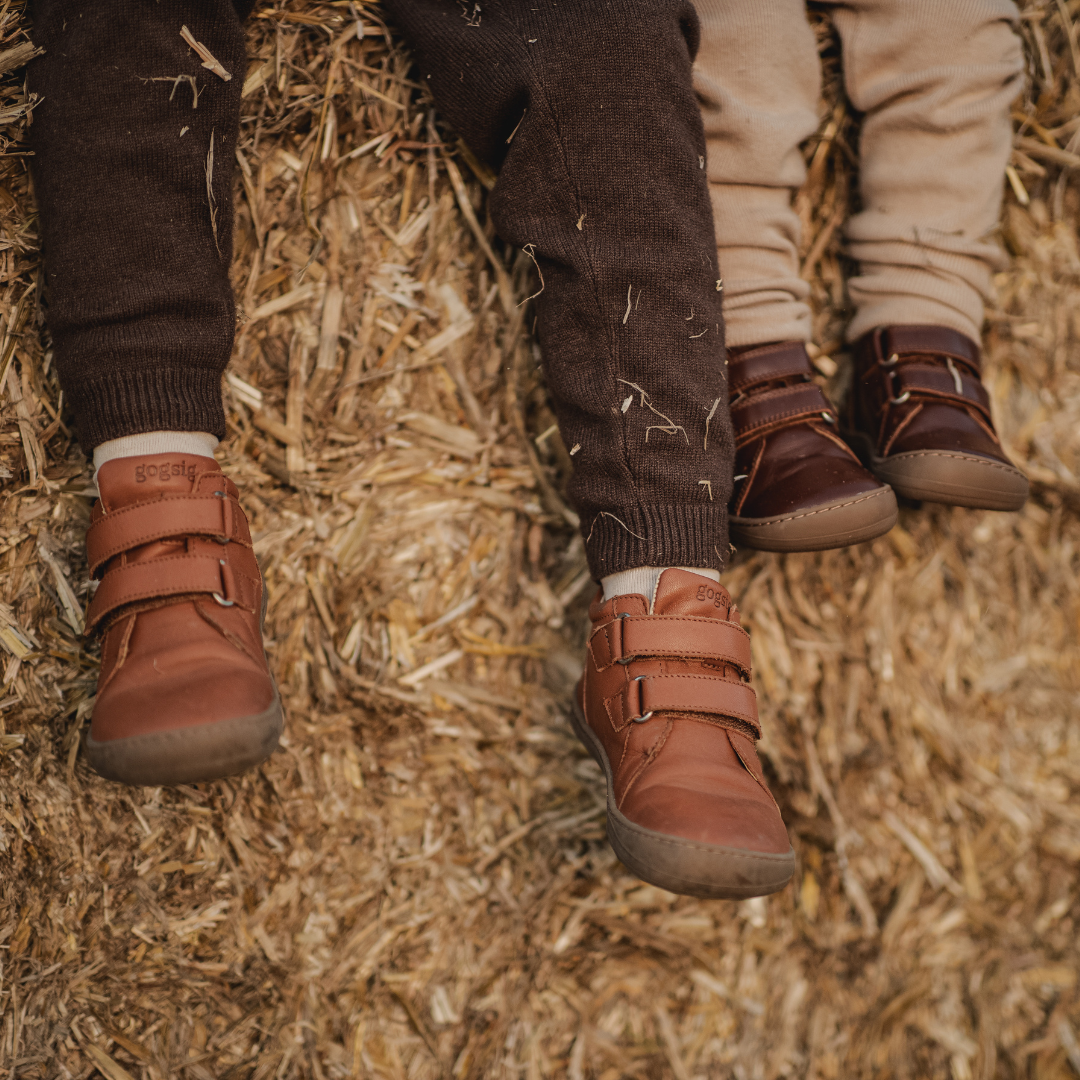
{"x":417,"y":885}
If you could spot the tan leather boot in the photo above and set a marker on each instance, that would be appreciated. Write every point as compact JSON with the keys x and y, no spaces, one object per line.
{"x":185,"y":693}
{"x":666,"y":708}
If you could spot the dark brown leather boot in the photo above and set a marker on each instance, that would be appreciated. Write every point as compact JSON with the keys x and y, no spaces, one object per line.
{"x":666,"y":708}
{"x":920,"y":418}
{"x":798,"y":486}
{"x":185,"y":693}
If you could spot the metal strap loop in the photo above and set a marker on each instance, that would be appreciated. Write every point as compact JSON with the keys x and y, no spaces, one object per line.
{"x":708,"y":694}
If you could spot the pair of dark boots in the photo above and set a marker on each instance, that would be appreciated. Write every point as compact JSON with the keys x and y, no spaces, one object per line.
{"x":917,"y":424}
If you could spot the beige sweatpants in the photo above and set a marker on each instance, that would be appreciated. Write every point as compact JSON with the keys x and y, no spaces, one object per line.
{"x":935,"y":80}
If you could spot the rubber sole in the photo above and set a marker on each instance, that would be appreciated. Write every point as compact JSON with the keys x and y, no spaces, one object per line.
{"x":189,"y":755}
{"x":957,"y":479}
{"x":945,"y":476}
{"x":687,"y":867}
{"x":818,"y":528}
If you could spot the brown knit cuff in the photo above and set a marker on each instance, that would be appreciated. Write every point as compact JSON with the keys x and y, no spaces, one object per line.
{"x":147,"y":399}
{"x":657,"y":536}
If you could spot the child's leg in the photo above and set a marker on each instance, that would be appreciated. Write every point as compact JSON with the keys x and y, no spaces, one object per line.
{"x":798,"y":487}
{"x":134,"y":188}
{"x":935,"y":82}
{"x":140,"y":306}
{"x":594,"y":128}
{"x":758,"y":81}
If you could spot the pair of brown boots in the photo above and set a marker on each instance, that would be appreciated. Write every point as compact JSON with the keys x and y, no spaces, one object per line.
{"x":917,"y":423}
{"x":665,"y":704}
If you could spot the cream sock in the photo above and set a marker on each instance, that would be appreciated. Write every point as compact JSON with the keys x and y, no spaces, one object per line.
{"x":155,"y":442}
{"x":645,"y":579}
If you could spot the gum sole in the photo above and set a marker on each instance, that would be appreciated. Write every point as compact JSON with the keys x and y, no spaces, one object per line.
{"x":956,"y":479}
{"x":818,"y":528}
{"x":189,"y":755}
{"x":687,"y":867}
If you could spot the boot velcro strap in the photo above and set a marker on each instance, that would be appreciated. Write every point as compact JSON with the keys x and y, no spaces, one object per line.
{"x":927,"y":380}
{"x":788,"y":360}
{"x":779,"y":408}
{"x":915,"y":381}
{"x":217,"y":516}
{"x":708,"y":694}
{"x":686,"y":637}
{"x":173,"y":575}
{"x":927,"y":341}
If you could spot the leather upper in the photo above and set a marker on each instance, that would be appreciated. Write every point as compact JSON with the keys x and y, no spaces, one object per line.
{"x":667,"y":691}
{"x":919,"y":388}
{"x":179,"y":601}
{"x":788,"y":456}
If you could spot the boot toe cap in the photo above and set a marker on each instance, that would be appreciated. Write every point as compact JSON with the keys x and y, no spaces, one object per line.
{"x":186,"y":727}
{"x":848,"y":514}
{"x":748,"y":822}
{"x":190,"y":697}
{"x":721,"y":848}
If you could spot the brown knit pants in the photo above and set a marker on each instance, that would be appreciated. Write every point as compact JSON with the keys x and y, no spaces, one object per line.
{"x":594,"y":127}
{"x":139,"y":303}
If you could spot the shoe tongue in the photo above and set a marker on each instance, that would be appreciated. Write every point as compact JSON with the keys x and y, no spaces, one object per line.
{"x":680,"y":592}
{"x":127,"y":480}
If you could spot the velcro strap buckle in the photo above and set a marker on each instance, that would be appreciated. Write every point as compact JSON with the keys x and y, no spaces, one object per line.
{"x":951,"y":383}
{"x":688,"y":637}
{"x":779,"y":408}
{"x":174,"y":575}
{"x":789,"y":360}
{"x":216,"y":515}
{"x":710,"y":694}
{"x":910,"y":341}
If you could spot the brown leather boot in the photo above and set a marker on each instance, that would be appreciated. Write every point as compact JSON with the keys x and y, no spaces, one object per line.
{"x":920,"y":418}
{"x":798,"y":487}
{"x":666,"y":708}
{"x":185,"y":693}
